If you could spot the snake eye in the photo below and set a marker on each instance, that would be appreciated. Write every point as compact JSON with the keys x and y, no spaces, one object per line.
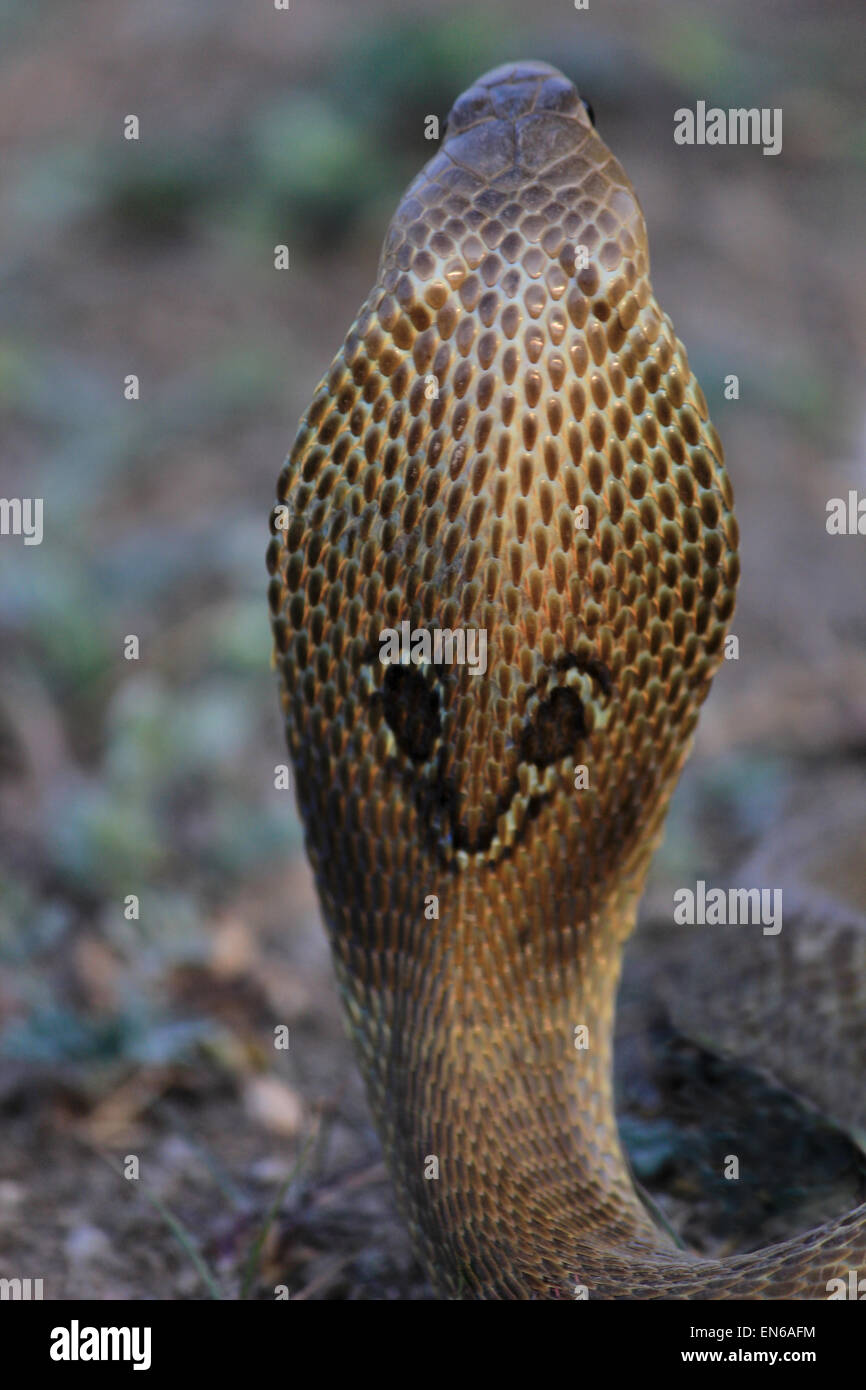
{"x":589,"y":110}
{"x":558,"y":724}
{"x":411,"y":711}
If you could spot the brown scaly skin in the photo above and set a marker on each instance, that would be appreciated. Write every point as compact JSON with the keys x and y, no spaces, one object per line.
{"x":488,"y":389}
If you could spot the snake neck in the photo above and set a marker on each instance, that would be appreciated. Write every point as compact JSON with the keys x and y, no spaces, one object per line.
{"x":486,"y":1048}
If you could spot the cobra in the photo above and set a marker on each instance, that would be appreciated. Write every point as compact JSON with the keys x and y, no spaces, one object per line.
{"x":510,"y":439}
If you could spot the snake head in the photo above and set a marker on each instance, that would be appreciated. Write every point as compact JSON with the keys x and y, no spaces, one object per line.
{"x":523,"y":128}
{"x":510,"y":442}
{"x":511,"y":103}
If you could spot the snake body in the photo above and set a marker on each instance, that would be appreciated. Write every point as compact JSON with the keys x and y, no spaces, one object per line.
{"x":511,"y":440}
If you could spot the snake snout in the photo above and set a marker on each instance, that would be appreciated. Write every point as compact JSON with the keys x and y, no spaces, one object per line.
{"x":515,"y":117}
{"x":512,"y":91}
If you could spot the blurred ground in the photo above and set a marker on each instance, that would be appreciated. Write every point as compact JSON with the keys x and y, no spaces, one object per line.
{"x":155,"y":1037}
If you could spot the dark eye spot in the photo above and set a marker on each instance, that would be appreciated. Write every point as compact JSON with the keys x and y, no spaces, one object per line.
{"x":556,"y":727}
{"x":591,"y":666}
{"x":411,"y":711}
{"x":589,"y":110}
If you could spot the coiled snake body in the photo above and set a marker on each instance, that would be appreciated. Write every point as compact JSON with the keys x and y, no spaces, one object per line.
{"x":509,"y":440}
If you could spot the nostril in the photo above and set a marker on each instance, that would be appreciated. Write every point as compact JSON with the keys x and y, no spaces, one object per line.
{"x":557,"y":725}
{"x":411,"y":710}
